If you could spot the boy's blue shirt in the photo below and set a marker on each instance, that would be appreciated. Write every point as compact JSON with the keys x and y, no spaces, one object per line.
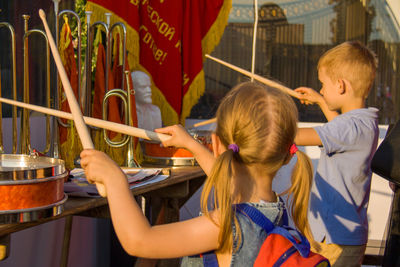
{"x":341,"y":186}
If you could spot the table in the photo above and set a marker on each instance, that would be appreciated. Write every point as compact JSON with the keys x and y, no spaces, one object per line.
{"x":169,"y":195}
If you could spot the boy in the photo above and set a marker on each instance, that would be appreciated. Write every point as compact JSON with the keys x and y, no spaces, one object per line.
{"x":340,"y":190}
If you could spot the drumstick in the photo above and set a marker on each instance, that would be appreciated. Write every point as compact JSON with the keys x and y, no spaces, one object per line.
{"x":203,"y":123}
{"x":257,"y":77}
{"x":73,"y":104}
{"x":108,"y":125}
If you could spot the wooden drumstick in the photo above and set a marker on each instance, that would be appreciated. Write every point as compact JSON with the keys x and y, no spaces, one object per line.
{"x":202,"y":123}
{"x":257,"y":77}
{"x":73,"y":104}
{"x":108,"y":125}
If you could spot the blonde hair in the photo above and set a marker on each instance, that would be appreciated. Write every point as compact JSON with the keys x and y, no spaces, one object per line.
{"x":351,"y":61}
{"x":262,"y":122}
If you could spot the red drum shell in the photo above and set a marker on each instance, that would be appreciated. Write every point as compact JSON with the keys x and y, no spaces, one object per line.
{"x":25,"y":196}
{"x":153,"y":149}
{"x":30,"y":181}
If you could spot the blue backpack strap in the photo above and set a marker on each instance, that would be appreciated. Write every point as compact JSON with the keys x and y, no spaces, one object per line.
{"x":303,"y":246}
{"x":210,"y":259}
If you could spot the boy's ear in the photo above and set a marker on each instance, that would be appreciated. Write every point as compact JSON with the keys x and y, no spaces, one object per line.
{"x":342,"y":86}
{"x":218,"y":147}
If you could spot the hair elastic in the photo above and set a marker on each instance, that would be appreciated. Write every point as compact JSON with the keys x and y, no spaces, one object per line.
{"x":293,"y":149}
{"x":234,"y":148}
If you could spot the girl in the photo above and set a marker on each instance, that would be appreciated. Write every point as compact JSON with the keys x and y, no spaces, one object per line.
{"x":256,"y":126}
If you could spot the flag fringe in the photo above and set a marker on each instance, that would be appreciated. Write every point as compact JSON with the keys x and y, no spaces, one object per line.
{"x":214,"y":34}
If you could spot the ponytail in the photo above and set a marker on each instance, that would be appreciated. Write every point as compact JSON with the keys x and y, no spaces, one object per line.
{"x":299,"y":193}
{"x":220,"y":181}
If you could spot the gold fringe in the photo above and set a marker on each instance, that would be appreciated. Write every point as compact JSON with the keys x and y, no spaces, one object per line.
{"x":209,"y":42}
{"x":214,"y":34}
{"x":118,"y":154}
{"x":71,"y":149}
{"x":196,"y":89}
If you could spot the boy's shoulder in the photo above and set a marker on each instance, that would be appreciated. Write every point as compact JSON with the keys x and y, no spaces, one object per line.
{"x":353,"y":128}
{"x":358,"y":115}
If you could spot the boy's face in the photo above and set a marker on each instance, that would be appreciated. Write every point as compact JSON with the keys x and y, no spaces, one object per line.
{"x":330,"y":90}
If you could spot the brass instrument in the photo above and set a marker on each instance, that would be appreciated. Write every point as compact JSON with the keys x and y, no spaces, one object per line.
{"x":65,"y":12}
{"x":123,"y":94}
{"x":25,"y":143}
{"x":14,"y":90}
{"x":118,"y":92}
{"x":90,"y":38}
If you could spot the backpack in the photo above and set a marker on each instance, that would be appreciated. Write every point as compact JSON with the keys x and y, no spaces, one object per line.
{"x":280,"y":248}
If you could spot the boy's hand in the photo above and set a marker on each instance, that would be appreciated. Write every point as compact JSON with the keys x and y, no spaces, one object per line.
{"x":99,"y":168}
{"x":179,"y":136}
{"x":309,"y":96}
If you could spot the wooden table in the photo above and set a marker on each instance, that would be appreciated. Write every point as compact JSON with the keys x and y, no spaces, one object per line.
{"x":169,"y":195}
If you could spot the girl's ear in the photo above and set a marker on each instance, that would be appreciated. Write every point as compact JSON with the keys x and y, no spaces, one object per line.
{"x":218,"y":147}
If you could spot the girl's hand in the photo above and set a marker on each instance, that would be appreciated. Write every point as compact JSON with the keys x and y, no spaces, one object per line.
{"x":309,"y":96}
{"x":99,"y":168}
{"x":179,"y":136}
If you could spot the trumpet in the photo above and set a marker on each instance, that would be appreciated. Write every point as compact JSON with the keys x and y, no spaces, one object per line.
{"x":14,"y":91}
{"x":121,"y":93}
{"x":25,"y":144}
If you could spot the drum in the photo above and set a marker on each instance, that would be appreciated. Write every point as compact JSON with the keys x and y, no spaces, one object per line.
{"x":155,"y":153}
{"x":31,"y":187}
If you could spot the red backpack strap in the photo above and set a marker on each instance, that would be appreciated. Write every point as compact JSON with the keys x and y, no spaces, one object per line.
{"x":302,"y":245}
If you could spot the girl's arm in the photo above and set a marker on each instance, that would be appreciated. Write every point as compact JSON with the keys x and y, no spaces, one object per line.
{"x":136,"y":235}
{"x":181,"y":138}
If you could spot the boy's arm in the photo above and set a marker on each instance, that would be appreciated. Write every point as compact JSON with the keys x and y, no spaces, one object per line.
{"x":310,"y":96}
{"x":307,"y":137}
{"x":181,"y":138}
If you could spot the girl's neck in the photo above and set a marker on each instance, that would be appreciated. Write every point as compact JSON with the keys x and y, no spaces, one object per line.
{"x":252,"y":185}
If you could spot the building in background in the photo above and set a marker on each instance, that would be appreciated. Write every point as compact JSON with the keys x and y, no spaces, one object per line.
{"x":291,"y":37}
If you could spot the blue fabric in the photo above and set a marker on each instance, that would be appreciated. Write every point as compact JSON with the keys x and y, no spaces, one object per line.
{"x":253,"y":236}
{"x":340,"y":191}
{"x":303,"y":246}
{"x":210,"y":259}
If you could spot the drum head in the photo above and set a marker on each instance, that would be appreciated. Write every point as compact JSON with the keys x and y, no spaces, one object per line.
{"x":22,"y":167}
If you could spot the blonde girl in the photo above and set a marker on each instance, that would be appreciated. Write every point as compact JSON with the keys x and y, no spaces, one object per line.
{"x":256,"y":127}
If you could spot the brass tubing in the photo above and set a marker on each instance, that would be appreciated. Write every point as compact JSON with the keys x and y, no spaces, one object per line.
{"x":14,"y":88}
{"x":123,"y":95}
{"x":25,"y":147}
{"x":86,"y":97}
{"x":122,"y":26}
{"x":56,"y":101}
{"x":25,"y":127}
{"x":89,"y":64}
{"x":79,"y":44}
{"x":130,"y":154}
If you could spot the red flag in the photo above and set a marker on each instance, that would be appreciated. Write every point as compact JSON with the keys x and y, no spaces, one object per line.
{"x":171,"y":45}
